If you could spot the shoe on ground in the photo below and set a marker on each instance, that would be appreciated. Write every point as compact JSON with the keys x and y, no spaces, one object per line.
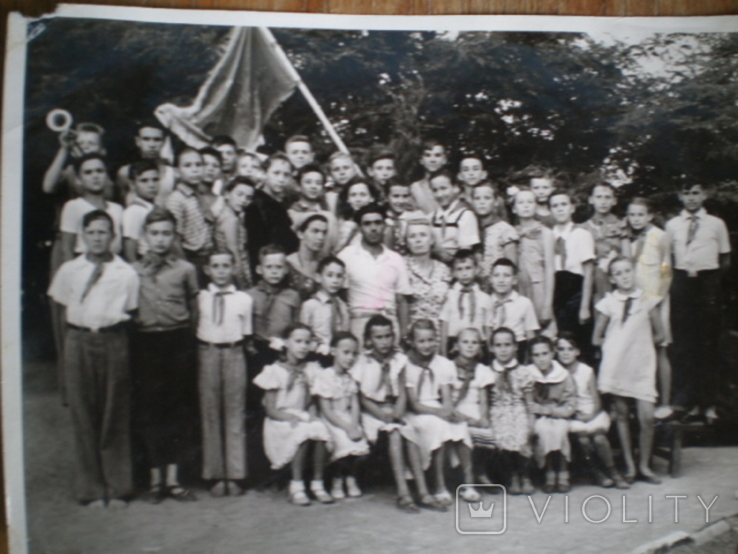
{"x":181,"y":494}
{"x":219,"y":489}
{"x":562,"y":482}
{"x":406,"y":504}
{"x":526,"y":486}
{"x":603,"y":480}
{"x":337,"y":489}
{"x":620,"y":481}
{"x":429,"y":502}
{"x":514,"y":486}
{"x":444,"y":497}
{"x":663,"y":412}
{"x":468,"y":494}
{"x":550,"y":484}
{"x":318,"y":490}
{"x":352,"y":488}
{"x":711,"y":415}
{"x":234,"y":489}
{"x":298,"y":497}
{"x":117,"y":504}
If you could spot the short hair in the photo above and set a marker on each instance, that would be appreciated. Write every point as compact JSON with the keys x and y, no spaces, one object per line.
{"x":560,"y":192}
{"x":150,"y":123}
{"x":376,"y":321}
{"x":277,"y":156}
{"x":270,"y":249}
{"x":240,"y":180}
{"x":471,"y":330}
{"x":342,"y":335}
{"x":540,"y":339}
{"x":372,"y":208}
{"x":395,"y":182}
{"x":159,"y":214}
{"x":97,"y":215}
{"x":343,"y":208}
{"x":309,"y":168}
{"x":248,"y":154}
{"x":328,"y":260}
{"x":296,"y":326}
{"x":185,"y":150}
{"x":569,"y":337}
{"x":420,"y":325}
{"x":309,"y":219}
{"x":502,"y":331}
{"x":463,"y":254}
{"x":79,"y":162}
{"x":380,"y":155}
{"x":488,"y":184}
{"x":140,"y":167}
{"x":337,"y":155}
{"x":443,"y":173}
{"x":210,"y":151}
{"x":472,"y":156}
{"x":602,"y":183}
{"x":220,"y":140}
{"x":686,"y":184}
{"x":641,"y":201}
{"x":222,"y":253}
{"x":617,"y":259}
{"x":505,"y":262}
{"x":430,"y":144}
{"x":89,"y":127}
{"x":298,"y":138}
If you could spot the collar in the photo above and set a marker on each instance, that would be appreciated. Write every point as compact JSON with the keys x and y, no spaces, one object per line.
{"x":263,"y":286}
{"x":497,"y":366}
{"x":109,"y":257}
{"x":323,"y":297}
{"x":151,"y":259}
{"x":556,"y":375}
{"x":474,"y":286}
{"x":468,"y":367}
{"x":568,"y":228}
{"x":364,"y":252}
{"x":451,"y":208}
{"x":699,"y":214}
{"x":598,"y":220}
{"x":212,"y":287}
{"x":510,"y":298}
{"x":185,"y":189}
{"x":637,"y":293}
{"x":138,"y":201}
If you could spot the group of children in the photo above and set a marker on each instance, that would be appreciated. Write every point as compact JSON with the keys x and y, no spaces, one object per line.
{"x":272,"y":288}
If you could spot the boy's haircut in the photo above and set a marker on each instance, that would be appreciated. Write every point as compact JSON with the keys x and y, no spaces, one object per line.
{"x":470,"y":330}
{"x":342,"y":335}
{"x":540,"y":339}
{"x":210,"y":151}
{"x":277,"y":156}
{"x":150,"y":123}
{"x":420,"y":325}
{"x":686,"y":184}
{"x":599,"y":182}
{"x":159,"y":214}
{"x":462,"y":255}
{"x":220,"y":140}
{"x":490,"y":185}
{"x":376,"y":321}
{"x":140,"y":167}
{"x":308,"y":220}
{"x":248,"y":154}
{"x":501,"y":331}
{"x":642,"y":201}
{"x":97,"y":215}
{"x":372,"y":208}
{"x":79,"y":162}
{"x":296,"y":326}
{"x":505,"y":262}
{"x":472,"y":156}
{"x":380,"y":155}
{"x":222,"y":253}
{"x":88,"y":127}
{"x":309,"y":168}
{"x":270,"y":249}
{"x":395,"y":182}
{"x":444,"y":173}
{"x":337,"y":155}
{"x":430,"y":144}
{"x":185,"y":150}
{"x":240,"y":180}
{"x":569,"y":337}
{"x":617,"y":259}
{"x":298,"y":138}
{"x":328,"y":260}
{"x":344,"y":209}
{"x":560,"y":192}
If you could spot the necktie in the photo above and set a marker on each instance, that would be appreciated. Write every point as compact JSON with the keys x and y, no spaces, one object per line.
{"x":560,"y":250}
{"x":384,"y":380}
{"x":336,"y":316}
{"x":499,"y":314}
{"x":467,"y":374}
{"x":219,"y":306}
{"x":294,"y":378}
{"x":626,"y":308}
{"x":97,"y":272}
{"x":693,"y":226}
{"x":468,"y":290}
{"x":421,"y":379}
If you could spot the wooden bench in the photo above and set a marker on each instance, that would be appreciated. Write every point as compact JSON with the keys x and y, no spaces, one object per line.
{"x":669,"y":440}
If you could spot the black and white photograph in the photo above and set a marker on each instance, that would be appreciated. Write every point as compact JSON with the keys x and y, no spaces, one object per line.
{"x":316,"y":283}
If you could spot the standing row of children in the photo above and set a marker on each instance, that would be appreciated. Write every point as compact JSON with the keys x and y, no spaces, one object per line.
{"x":232,"y":230}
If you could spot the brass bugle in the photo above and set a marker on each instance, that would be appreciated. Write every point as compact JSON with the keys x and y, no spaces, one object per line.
{"x":59,"y":120}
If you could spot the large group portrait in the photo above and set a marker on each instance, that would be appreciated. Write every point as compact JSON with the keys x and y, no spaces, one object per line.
{"x":373,"y":284}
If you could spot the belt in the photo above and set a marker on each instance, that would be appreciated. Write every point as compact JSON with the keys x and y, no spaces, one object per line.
{"x":221,"y":344}
{"x":110,"y":329}
{"x":694,"y":274}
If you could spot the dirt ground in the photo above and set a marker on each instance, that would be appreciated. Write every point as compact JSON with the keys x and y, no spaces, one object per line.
{"x":265,"y":522}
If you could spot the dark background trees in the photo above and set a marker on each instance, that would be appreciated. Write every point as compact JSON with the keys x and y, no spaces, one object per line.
{"x":646,"y":112}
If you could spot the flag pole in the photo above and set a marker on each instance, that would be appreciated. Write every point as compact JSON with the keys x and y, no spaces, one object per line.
{"x":304,"y":90}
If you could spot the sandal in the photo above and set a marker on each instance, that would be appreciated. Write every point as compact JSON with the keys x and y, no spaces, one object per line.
{"x":181,"y":494}
{"x":429,"y":502}
{"x":468,"y":494}
{"x":444,"y":497}
{"x":299,"y":498}
{"x":406,"y":504}
{"x":620,"y":482}
{"x":155,"y":495}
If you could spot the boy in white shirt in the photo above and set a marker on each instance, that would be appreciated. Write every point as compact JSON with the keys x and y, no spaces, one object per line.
{"x":454,"y":225}
{"x":145,"y":178}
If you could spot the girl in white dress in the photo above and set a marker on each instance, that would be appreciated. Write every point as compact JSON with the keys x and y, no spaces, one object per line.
{"x":591,"y":423}
{"x":338,"y":395}
{"x":431,"y":414}
{"x":470,"y":397}
{"x":290,"y":423}
{"x":628,"y":326}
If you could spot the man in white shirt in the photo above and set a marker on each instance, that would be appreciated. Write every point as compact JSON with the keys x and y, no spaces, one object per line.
{"x":377,"y":277}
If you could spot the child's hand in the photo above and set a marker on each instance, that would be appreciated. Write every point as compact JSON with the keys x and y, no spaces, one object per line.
{"x":294,"y":420}
{"x":323,"y":349}
{"x":445,"y":412}
{"x":482,"y":422}
{"x":355,"y":434}
{"x":584,"y":315}
{"x":251,"y":349}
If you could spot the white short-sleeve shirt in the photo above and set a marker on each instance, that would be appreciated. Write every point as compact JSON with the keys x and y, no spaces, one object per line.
{"x":134,"y":217}
{"x":516,"y":312}
{"x":579,"y":245}
{"x":236,"y":322}
{"x":455,"y":227}
{"x":108,"y":302}
{"x":374,"y":282}
{"x":71,"y":222}
{"x":710,"y":240}
{"x":476,"y":307}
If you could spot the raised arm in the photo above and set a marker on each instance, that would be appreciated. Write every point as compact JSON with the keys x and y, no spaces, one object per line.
{"x":54,"y":174}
